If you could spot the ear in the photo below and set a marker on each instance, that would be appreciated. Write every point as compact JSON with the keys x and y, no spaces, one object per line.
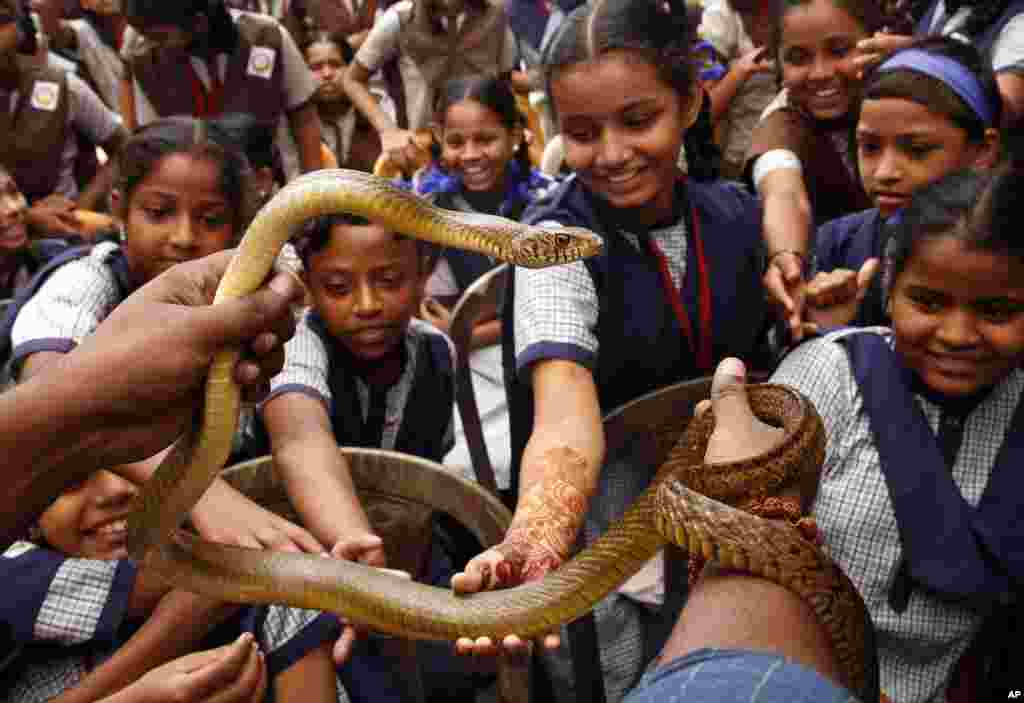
{"x":988,"y":151}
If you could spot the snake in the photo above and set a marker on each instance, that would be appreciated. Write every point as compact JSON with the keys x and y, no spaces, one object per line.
{"x":686,"y":503}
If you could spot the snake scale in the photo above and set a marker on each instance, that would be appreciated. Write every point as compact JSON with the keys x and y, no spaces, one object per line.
{"x":679,"y":505}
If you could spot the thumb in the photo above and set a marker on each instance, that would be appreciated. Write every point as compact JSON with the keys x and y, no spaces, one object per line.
{"x":864,"y":276}
{"x":729,"y":395}
{"x":234,"y":322}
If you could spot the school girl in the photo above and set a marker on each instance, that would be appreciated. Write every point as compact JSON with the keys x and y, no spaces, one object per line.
{"x":677,"y":287}
{"x":483,"y":166}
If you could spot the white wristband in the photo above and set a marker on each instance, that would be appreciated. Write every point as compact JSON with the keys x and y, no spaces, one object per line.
{"x":772,"y":161}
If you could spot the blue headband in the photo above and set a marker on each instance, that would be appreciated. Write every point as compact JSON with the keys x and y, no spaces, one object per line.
{"x":960,"y":80}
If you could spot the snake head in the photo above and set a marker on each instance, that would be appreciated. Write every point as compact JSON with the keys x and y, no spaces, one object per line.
{"x":548,"y":246}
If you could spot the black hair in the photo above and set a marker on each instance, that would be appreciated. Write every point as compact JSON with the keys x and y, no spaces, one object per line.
{"x":868,"y":14}
{"x":978,"y":208}
{"x":932,"y":93}
{"x":661,"y":31}
{"x":324,"y":37}
{"x":983,"y":13}
{"x":316,"y":234}
{"x":221,"y":141}
{"x":492,"y":92}
{"x":222,"y":33}
{"x":658,"y":28}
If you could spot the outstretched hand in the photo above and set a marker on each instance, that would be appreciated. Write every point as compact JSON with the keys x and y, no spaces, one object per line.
{"x":833,"y":298}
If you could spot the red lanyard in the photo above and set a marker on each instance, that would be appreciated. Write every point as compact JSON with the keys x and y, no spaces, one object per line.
{"x":702,"y":348}
{"x":207,"y":103}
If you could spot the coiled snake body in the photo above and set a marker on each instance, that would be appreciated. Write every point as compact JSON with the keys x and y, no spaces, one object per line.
{"x":674,"y":507}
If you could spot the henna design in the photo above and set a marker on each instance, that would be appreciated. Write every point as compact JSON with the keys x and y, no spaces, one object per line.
{"x":549,"y":515}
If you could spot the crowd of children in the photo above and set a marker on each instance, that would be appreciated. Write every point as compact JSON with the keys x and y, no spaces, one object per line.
{"x":843,"y":221}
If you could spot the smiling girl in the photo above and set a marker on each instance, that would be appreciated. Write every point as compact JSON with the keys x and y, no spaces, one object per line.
{"x":676,"y":288}
{"x":928,"y":111}
{"x":483,"y":167}
{"x":800,"y":161}
{"x":919,"y":498}
{"x":182,"y":191}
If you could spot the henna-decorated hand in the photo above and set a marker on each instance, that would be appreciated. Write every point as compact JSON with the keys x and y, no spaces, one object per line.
{"x":538,"y":541}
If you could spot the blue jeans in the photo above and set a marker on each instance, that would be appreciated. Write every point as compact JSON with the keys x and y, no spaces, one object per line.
{"x":735,"y":676}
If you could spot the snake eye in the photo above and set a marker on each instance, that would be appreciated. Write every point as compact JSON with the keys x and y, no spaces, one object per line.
{"x":563,"y":240}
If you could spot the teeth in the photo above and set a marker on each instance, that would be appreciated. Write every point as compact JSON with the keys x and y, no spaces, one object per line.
{"x":830,"y":93}
{"x":622,"y":177}
{"x":111,"y":527}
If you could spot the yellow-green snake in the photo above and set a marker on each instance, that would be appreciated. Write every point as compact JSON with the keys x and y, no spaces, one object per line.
{"x":674,"y":507}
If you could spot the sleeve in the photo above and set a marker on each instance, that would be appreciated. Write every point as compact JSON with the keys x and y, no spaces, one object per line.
{"x":718,"y":28}
{"x":1008,"y":49}
{"x":69,"y":305}
{"x":381,"y":44}
{"x":306,"y":366}
{"x":289,"y":634}
{"x":299,"y":83}
{"x":88,"y":113}
{"x":820,"y":370}
{"x":782,"y":128}
{"x":61,"y":600}
{"x":556,"y":312}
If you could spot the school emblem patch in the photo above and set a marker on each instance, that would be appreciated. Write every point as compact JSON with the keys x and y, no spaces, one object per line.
{"x":261,"y":62}
{"x":45,"y":95}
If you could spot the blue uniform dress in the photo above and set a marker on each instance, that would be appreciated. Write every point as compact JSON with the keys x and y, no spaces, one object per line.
{"x":624,"y":315}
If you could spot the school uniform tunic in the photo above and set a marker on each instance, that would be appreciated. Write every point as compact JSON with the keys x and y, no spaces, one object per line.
{"x":615,"y":315}
{"x":66,"y":616}
{"x":264,"y":75}
{"x":38,"y":125}
{"x":417,"y":416}
{"x":920,"y":635}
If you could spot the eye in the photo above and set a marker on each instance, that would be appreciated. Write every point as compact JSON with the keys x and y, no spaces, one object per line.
{"x":562,"y":239}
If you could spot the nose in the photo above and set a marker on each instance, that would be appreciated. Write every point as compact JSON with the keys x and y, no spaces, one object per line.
{"x":889,"y":168}
{"x":821,"y":69}
{"x":367,"y":302}
{"x":958,"y":329}
{"x":11,"y":205}
{"x":614,"y":151}
{"x":326,"y":73}
{"x":183,"y":235}
{"x":111,"y":490}
{"x":471,"y":151}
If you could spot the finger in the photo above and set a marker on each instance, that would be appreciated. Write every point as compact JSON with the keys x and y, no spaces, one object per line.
{"x":343,"y":647}
{"x":865,"y":275}
{"x":226,"y":668}
{"x":480,"y":573}
{"x":351,"y":548}
{"x":777,"y":290}
{"x":276,"y":540}
{"x":305,"y":540}
{"x":701,"y":408}
{"x":514,"y":646}
{"x":234,"y":322}
{"x":249,"y":681}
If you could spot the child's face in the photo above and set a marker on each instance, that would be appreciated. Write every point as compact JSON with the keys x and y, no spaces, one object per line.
{"x":902,"y":146}
{"x":623,"y":127}
{"x":366,"y":285}
{"x":816,"y":54}
{"x":13,"y":232}
{"x":178,"y":212}
{"x":8,"y":35}
{"x":88,"y":520}
{"x":328,"y":67}
{"x":476,"y":145}
{"x":958,"y":315}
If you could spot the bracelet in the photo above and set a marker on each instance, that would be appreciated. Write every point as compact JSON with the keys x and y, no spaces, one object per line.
{"x":794,"y":252}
